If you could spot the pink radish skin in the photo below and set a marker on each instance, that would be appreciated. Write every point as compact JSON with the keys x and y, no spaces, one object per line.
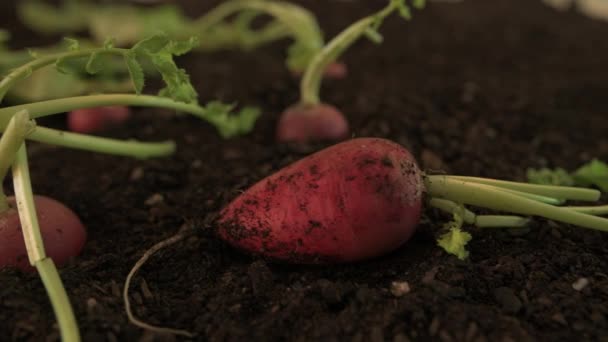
{"x":355,"y":200}
{"x":301,"y":124}
{"x":335,"y":71}
{"x":91,"y":120}
{"x":62,"y":232}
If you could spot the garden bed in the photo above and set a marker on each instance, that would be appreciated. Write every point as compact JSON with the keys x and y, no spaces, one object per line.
{"x":481,"y":88}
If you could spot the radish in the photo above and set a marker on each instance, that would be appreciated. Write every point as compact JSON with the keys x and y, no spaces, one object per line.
{"x":90,"y":120}
{"x":363,"y":198}
{"x":62,"y":232}
{"x":308,"y":126}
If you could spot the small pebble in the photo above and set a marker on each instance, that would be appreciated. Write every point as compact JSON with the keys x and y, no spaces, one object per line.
{"x":137,"y":174}
{"x":580,"y":284}
{"x":154,"y":199}
{"x":400,"y":288}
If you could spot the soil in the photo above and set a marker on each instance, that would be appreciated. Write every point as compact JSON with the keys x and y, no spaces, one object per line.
{"x":483,"y":88}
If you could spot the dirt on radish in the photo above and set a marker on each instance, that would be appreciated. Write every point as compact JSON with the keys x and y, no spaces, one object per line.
{"x":484,"y":88}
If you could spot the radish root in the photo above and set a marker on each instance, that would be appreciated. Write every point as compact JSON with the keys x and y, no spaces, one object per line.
{"x":183,"y":232}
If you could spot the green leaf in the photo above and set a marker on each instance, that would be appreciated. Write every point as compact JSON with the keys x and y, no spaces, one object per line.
{"x":62,"y":65}
{"x":419,"y":4}
{"x":94,"y":64}
{"x":151,"y":45}
{"x":135,"y":71}
{"x":73,"y":44}
{"x":593,"y":173}
{"x":374,"y":35}
{"x":454,"y":241}
{"x":227,"y":124}
{"x":179,"y":48}
{"x":547,"y":176}
{"x":109,"y":43}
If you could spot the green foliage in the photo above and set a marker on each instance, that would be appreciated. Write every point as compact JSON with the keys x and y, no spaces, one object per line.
{"x":594,"y":173}
{"x":547,"y":176}
{"x":454,"y":241}
{"x":229,"y":125}
{"x":229,"y":25}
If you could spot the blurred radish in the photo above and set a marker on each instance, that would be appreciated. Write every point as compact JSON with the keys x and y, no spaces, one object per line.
{"x":90,"y":120}
{"x":363,"y":198}
{"x":308,"y":126}
{"x":62,"y":232}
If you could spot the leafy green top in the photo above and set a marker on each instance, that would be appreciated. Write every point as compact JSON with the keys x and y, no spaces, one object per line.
{"x":129,"y":24}
{"x":158,"y":52}
{"x":594,"y":173}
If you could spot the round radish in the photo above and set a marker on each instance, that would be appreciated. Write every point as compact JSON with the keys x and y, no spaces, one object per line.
{"x":352,"y":201}
{"x":303,"y":123}
{"x":90,"y":120}
{"x":62,"y":232}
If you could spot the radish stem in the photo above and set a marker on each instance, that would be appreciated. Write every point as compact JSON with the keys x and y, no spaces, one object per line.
{"x":561,"y":192}
{"x":59,"y":300}
{"x":311,"y":80}
{"x":50,"y":107}
{"x":35,"y":249}
{"x":25,"y":70}
{"x":299,"y":22}
{"x":129,"y":148}
{"x":10,"y":142}
{"x":474,"y":193}
{"x":481,"y":221}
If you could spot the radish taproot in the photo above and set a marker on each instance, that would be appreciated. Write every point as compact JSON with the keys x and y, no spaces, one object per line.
{"x":363,"y":198}
{"x":62,"y":231}
{"x":90,"y":120}
{"x":309,"y":110}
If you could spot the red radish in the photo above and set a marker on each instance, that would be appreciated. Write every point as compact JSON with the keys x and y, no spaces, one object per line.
{"x":90,"y":120}
{"x":319,"y":122}
{"x":352,"y":201}
{"x":62,"y":232}
{"x":363,"y":198}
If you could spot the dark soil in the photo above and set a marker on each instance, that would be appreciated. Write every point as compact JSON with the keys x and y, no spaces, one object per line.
{"x":484,"y":88}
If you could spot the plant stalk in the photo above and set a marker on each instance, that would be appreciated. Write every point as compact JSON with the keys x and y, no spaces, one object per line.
{"x":474,"y":193}
{"x":25,"y":70}
{"x":310,"y":85}
{"x":18,"y":128}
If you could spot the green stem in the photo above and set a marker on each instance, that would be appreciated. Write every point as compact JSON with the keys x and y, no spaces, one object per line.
{"x":297,"y":20}
{"x":500,"y":221}
{"x":310,"y":86}
{"x":27,"y":208}
{"x":10,"y":142}
{"x":25,"y":70}
{"x":50,"y":107}
{"x":481,"y":221}
{"x":561,"y":192}
{"x":129,"y":148}
{"x":34,"y":244}
{"x":474,"y":193}
{"x":596,"y":210}
{"x":59,"y":300}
